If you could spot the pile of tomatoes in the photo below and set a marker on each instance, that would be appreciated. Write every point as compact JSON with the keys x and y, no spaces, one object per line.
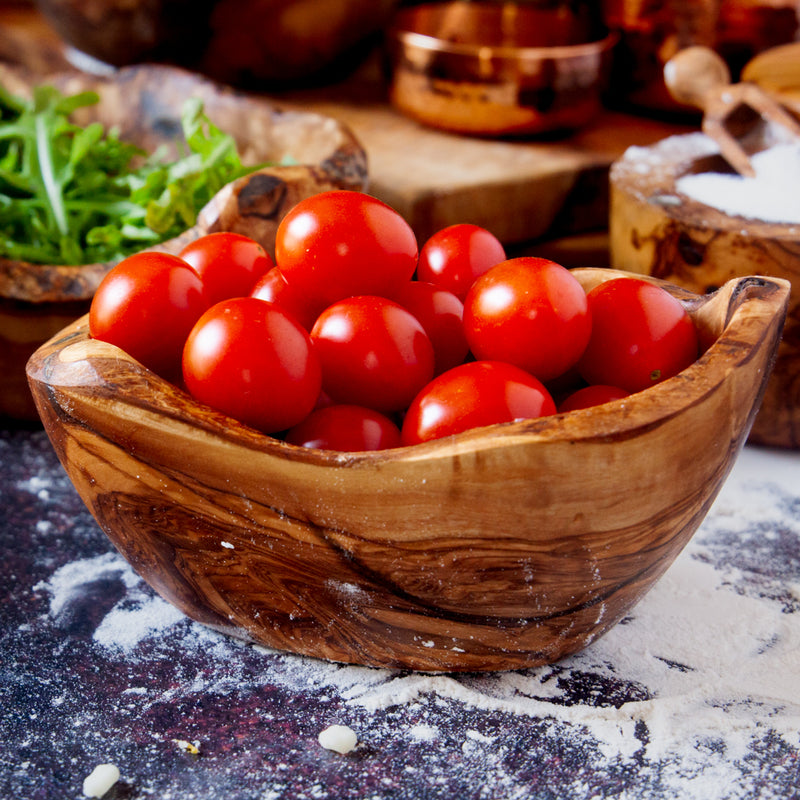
{"x":356,"y":339}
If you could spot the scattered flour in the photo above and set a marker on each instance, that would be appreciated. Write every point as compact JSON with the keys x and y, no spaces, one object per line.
{"x":69,"y":581}
{"x":423,"y":733}
{"x":128,"y":622}
{"x":123,"y":628}
{"x":715,"y":657}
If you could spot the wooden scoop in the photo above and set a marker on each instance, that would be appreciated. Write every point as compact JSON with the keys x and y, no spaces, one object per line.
{"x":777,"y":71}
{"x":741,"y":118}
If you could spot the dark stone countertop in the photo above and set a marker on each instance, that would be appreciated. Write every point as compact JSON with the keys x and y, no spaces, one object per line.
{"x":695,"y":695}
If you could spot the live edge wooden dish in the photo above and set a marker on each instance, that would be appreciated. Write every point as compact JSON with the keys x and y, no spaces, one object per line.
{"x":144,"y":103}
{"x":504,"y":547}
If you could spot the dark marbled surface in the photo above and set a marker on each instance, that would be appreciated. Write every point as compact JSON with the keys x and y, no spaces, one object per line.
{"x":695,"y":695}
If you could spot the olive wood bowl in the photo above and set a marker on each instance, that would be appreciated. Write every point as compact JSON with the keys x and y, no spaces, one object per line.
{"x":503,"y":547}
{"x":144,"y":103}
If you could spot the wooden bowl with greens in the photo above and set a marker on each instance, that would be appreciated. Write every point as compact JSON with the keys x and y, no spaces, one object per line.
{"x":95,"y":168}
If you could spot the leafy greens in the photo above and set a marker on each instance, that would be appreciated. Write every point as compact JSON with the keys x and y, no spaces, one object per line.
{"x":78,"y":195}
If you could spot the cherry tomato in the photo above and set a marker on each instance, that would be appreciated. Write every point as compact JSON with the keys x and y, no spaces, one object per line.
{"x":254,"y":362}
{"x":530,"y":312}
{"x":373,"y":352}
{"x":146,"y":305}
{"x":273,"y":288}
{"x":341,"y":244}
{"x":441,"y":315}
{"x":590,"y":396}
{"x":472,"y":395}
{"x":456,"y":256}
{"x":229,"y":263}
{"x":347,"y":428}
{"x":641,"y":335}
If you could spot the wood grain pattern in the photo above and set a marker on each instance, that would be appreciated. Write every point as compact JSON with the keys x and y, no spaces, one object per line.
{"x":499,"y":548}
{"x":36,"y":301}
{"x":656,"y":230}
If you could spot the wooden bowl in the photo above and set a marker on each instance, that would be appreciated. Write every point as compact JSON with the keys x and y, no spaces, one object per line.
{"x":37,"y":301}
{"x":503,"y":547}
{"x":498,"y":69}
{"x":657,"y":230}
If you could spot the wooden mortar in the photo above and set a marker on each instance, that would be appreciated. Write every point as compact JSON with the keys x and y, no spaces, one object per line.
{"x":658,"y":231}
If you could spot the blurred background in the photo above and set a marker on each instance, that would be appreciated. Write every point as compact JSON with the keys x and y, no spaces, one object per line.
{"x":275,"y":43}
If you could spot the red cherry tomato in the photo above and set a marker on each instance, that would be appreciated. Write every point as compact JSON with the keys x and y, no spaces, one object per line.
{"x":456,"y":256}
{"x":530,"y":312}
{"x":273,"y":288}
{"x":641,"y":335}
{"x":347,"y":428}
{"x":146,"y":305}
{"x":441,"y":314}
{"x":472,"y":395}
{"x":229,"y":263}
{"x":254,"y":362}
{"x":373,"y":352}
{"x":590,"y":396}
{"x":341,"y":244}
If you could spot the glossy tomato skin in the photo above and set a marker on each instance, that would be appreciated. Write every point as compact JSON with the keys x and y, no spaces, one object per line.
{"x":252,"y":361}
{"x":457,"y":255}
{"x":228,"y":263}
{"x":343,"y":243}
{"x":590,"y":396}
{"x":346,"y":428}
{"x":641,"y":335}
{"x":146,"y":305}
{"x":373,"y":353}
{"x":473,"y":395}
{"x":273,"y":288}
{"x":441,"y":315}
{"x":530,"y":312}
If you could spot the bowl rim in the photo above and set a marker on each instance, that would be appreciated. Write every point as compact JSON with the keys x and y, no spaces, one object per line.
{"x":402,"y":30}
{"x":621,"y":419}
{"x":423,"y":41}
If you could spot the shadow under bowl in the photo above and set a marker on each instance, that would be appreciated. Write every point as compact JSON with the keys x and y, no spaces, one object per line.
{"x":499,"y":548}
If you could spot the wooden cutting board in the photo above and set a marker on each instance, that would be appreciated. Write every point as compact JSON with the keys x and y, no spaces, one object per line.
{"x":520,"y":190}
{"x":523,"y":191}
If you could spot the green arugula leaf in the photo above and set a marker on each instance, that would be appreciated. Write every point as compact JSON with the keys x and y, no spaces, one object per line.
{"x":79,"y":195}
